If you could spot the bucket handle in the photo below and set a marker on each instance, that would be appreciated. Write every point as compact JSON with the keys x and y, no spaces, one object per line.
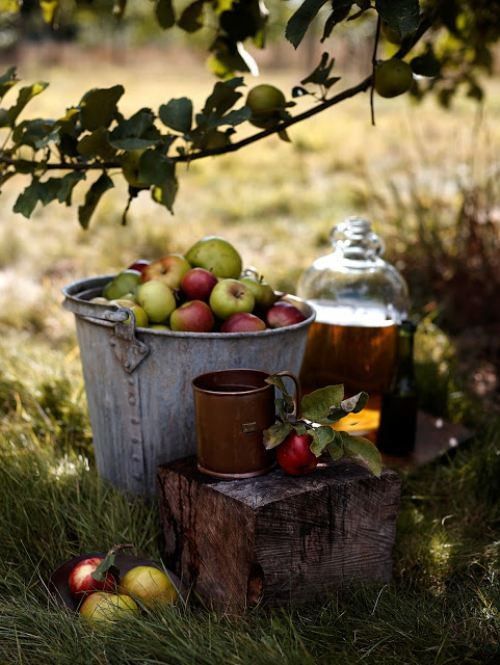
{"x":129,"y":350}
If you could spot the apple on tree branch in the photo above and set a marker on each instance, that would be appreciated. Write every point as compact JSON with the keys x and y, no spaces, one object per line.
{"x":302,"y":438}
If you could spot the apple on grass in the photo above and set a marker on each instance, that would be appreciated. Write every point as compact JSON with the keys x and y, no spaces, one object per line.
{"x":294,"y":455}
{"x":156,"y":299}
{"x":197,"y":284}
{"x":216,"y":255}
{"x":283,"y":314}
{"x":169,"y":269}
{"x":243,"y":322}
{"x":229,"y":296}
{"x":82,"y":582}
{"x":192,"y":316}
{"x":149,"y":585}
{"x":102,"y":606}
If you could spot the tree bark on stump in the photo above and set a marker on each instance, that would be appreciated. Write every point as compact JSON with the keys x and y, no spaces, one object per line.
{"x":277,"y":539}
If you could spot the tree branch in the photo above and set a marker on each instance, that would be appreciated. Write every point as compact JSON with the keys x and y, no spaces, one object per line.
{"x":362,"y":86}
{"x":374,"y":64}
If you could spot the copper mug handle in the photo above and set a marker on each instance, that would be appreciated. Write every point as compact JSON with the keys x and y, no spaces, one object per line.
{"x":297,"y":398}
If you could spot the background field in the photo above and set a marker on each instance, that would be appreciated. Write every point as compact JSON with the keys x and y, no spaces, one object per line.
{"x":429,"y":181}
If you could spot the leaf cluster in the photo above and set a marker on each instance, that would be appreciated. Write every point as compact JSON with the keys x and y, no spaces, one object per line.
{"x":318,"y":412}
{"x":95,"y":135}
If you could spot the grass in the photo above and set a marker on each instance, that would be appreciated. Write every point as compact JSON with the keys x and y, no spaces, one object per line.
{"x":277,"y":204}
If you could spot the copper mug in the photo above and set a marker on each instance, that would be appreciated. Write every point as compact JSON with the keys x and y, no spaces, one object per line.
{"x":233,"y":407}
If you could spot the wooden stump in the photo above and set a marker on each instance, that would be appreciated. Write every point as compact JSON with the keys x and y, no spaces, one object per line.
{"x":275,"y":538}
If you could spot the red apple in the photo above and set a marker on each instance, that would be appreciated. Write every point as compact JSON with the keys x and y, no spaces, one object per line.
{"x":193,"y":316}
{"x":283,"y":314}
{"x":243,"y":322}
{"x":197,"y":284}
{"x":294,"y":455}
{"x":169,"y":269}
{"x":81,"y":582}
{"x":140,"y":265}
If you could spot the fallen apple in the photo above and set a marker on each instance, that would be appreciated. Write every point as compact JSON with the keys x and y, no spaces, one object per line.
{"x":81,"y":581}
{"x":229,"y":296}
{"x":149,"y":585}
{"x":192,"y":316}
{"x":157,"y":300}
{"x":197,"y":284}
{"x":102,"y":606}
{"x":169,"y":269}
{"x":283,"y":314}
{"x":294,"y":455}
{"x":243,"y":322}
{"x":216,"y":255}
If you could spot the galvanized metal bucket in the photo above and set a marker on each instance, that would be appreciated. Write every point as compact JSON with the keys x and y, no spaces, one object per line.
{"x":138,"y":381}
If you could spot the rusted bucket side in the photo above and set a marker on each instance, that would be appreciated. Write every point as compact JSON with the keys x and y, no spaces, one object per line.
{"x":139,"y":385}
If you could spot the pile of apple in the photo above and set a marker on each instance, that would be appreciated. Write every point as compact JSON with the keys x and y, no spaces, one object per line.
{"x":203,"y":291}
{"x":103,"y":595}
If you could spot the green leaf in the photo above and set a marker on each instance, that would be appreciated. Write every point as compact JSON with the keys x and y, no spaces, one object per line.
{"x":321,"y":74}
{"x":137,"y":132}
{"x":166,"y":192}
{"x":177,"y":114}
{"x":27,"y":200}
{"x":276,"y":434}
{"x":7,"y":81}
{"x":154,"y":168}
{"x":363,"y":451}
{"x":426,"y":64}
{"x":92,"y":198}
{"x":67,"y":184}
{"x":317,"y":405}
{"x":339,"y":12}
{"x":353,"y":404}
{"x":96,"y":144}
{"x":49,"y":9}
{"x":223,"y":97}
{"x":191,"y":18}
{"x":400,"y":15}
{"x":299,"y":22}
{"x":322,"y":437}
{"x":236,"y":117}
{"x":25,"y":95}
{"x":285,"y":406}
{"x":165,"y":13}
{"x":336,"y":448}
{"x":98,"y":107}
{"x":36,"y":133}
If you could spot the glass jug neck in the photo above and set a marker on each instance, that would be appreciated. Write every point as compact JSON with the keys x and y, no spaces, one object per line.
{"x":354,"y":240}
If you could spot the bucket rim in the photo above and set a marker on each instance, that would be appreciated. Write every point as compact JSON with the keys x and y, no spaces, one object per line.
{"x":71,"y":291}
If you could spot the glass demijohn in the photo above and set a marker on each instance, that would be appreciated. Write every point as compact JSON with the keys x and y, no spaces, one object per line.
{"x":360,"y":300}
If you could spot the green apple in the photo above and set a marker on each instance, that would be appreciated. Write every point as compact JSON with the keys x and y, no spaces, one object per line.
{"x":217,"y":255}
{"x":125,"y":282}
{"x":149,"y":585}
{"x":262,"y":291}
{"x":141,"y":318}
{"x":103,"y":606}
{"x":157,"y":300}
{"x":159,"y":326}
{"x":230,"y":296}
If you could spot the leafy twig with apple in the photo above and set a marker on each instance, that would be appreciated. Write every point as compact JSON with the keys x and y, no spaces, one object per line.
{"x":302,"y":437}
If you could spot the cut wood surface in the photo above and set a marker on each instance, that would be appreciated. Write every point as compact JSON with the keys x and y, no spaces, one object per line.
{"x":275,"y":538}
